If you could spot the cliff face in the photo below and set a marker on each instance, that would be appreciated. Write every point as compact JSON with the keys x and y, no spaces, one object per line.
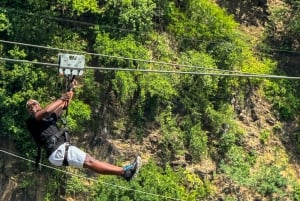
{"x":254,"y":17}
{"x":249,"y":13}
{"x":254,"y":117}
{"x":12,"y":173}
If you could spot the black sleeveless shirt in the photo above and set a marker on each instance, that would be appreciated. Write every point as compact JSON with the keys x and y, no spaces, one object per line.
{"x":42,"y":131}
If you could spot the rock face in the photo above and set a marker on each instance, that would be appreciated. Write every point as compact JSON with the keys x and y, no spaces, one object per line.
{"x":13,"y":185}
{"x":253,"y":117}
{"x":253,"y":12}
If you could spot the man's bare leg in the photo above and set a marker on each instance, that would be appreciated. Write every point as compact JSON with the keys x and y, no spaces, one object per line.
{"x":102,"y":167}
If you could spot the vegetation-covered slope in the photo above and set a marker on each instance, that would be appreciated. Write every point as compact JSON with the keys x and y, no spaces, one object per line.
{"x":205,"y":130}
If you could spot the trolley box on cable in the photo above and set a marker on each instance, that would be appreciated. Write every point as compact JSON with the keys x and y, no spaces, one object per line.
{"x":71,"y":64}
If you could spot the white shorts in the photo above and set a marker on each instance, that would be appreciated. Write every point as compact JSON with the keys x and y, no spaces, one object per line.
{"x":75,"y":156}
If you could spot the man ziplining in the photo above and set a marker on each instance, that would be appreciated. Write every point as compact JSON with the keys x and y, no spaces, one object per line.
{"x":43,"y":128}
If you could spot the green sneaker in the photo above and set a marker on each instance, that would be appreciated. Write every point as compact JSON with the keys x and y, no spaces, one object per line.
{"x":131,"y":170}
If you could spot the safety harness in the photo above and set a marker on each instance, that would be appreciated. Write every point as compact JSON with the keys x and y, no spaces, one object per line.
{"x":52,"y":141}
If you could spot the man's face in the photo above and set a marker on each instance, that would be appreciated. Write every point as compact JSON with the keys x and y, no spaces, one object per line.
{"x":33,"y":106}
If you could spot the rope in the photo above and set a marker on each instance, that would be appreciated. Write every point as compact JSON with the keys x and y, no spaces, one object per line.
{"x":91,"y":179}
{"x":164,"y":71}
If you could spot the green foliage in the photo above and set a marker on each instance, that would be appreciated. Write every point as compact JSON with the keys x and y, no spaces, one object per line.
{"x":253,"y":65}
{"x":53,"y":182}
{"x":198,"y":143}
{"x":194,"y":92}
{"x":124,"y":86}
{"x":294,"y":26}
{"x":162,"y":48}
{"x":264,"y":136}
{"x":159,"y":86}
{"x":153,"y":183}
{"x":221,"y":117}
{"x":75,"y":186}
{"x":237,"y":165}
{"x":227,"y":140}
{"x":69,"y":40}
{"x":200,"y":19}
{"x":129,"y":14}
{"x":79,"y":115}
{"x":16,"y":86}
{"x":77,"y":7}
{"x":48,"y":197}
{"x":295,"y":195}
{"x":172,"y":142}
{"x":201,"y":25}
{"x":117,"y":49}
{"x":196,"y":188}
{"x":123,"y":83}
{"x":28,"y":182}
{"x":268,"y":180}
{"x":144,"y":93}
{"x":4,"y":22}
{"x":228,"y":54}
{"x":297,"y":138}
{"x":30,"y":29}
{"x":156,"y":91}
{"x":284,"y":97}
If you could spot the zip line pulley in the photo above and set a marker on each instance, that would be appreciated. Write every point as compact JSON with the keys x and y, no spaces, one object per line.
{"x":71,"y":64}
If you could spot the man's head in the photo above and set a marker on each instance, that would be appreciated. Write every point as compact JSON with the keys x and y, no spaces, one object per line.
{"x":32,"y":106}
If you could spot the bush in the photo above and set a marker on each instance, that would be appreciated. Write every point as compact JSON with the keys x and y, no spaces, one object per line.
{"x":268,"y":180}
{"x":198,"y":143}
{"x":237,"y":165}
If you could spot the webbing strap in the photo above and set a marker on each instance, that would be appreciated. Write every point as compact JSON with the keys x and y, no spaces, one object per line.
{"x":65,"y":161}
{"x":61,"y":132}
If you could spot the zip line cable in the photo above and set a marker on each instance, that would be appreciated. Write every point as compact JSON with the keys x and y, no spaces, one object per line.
{"x":120,"y":29}
{"x":91,"y":179}
{"x":225,"y":72}
{"x":116,"y":57}
{"x":160,"y":71}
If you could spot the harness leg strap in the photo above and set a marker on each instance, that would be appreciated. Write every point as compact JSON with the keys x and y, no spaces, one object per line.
{"x":65,"y":161}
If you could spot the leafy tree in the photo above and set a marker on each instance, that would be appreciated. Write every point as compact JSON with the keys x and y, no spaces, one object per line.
{"x":202,"y":21}
{"x":129,"y":15}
